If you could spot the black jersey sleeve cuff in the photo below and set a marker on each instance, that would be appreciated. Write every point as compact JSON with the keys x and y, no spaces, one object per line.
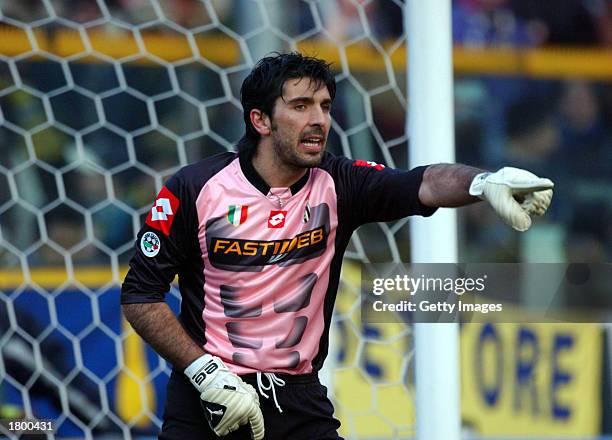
{"x":421,"y":209}
{"x":141,"y":297}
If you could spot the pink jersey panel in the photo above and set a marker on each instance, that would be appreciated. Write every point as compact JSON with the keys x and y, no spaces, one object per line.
{"x":266,"y":265}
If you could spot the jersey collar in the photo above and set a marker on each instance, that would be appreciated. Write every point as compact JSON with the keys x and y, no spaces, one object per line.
{"x":246,"y":164}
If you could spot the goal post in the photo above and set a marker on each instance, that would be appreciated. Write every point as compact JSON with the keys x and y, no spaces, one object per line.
{"x":430,"y":127}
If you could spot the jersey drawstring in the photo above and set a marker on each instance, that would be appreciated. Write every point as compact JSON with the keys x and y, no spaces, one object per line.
{"x":272,"y":381}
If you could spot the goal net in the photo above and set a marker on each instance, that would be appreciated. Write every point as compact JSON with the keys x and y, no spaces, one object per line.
{"x":101,"y":101}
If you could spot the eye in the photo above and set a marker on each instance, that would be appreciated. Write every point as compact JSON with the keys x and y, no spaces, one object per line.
{"x":300,"y":107}
{"x":326,"y":107}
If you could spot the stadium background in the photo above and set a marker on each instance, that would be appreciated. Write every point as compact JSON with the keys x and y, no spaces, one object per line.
{"x":102,"y":101}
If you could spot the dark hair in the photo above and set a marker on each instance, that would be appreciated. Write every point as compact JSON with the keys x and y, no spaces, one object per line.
{"x":265,"y":83}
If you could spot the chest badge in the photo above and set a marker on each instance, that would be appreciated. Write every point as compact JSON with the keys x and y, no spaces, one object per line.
{"x":277,"y":219}
{"x":237,"y":214}
{"x":306,"y":217}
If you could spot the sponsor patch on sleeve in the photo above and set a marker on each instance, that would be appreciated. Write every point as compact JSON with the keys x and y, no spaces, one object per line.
{"x":368,"y":163}
{"x":163,"y":211}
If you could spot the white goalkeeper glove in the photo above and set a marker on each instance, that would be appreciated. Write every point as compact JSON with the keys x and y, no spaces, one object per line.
{"x":228,"y":401}
{"x":515,"y":194}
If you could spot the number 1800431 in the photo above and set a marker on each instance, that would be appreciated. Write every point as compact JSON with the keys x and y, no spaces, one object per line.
{"x":27,"y":426}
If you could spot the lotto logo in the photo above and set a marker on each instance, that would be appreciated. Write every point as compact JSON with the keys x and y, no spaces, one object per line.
{"x":368,"y":163}
{"x":277,"y":219}
{"x":163,"y":211}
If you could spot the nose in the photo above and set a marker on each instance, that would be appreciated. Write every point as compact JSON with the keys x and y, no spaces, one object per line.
{"x":318,"y":116}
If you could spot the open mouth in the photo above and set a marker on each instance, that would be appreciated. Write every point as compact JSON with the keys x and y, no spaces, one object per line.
{"x":314,"y":143}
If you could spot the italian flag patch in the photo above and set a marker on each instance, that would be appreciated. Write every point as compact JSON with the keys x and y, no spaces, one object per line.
{"x":237,"y":214}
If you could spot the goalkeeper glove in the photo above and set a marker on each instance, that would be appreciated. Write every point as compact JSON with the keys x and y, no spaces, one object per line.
{"x":514,"y":194}
{"x":228,"y":401}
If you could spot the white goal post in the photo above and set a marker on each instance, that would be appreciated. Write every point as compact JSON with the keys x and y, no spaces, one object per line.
{"x":430,"y":126}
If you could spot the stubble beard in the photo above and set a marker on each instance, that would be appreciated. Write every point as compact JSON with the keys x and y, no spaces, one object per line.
{"x":287,"y":154}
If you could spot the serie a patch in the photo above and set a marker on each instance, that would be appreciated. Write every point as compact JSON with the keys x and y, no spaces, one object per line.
{"x":150,"y":244}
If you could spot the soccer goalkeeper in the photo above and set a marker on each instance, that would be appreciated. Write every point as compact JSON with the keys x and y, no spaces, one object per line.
{"x":257,"y":238}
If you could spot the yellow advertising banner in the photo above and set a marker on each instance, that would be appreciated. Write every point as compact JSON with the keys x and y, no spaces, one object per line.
{"x":517,"y":379}
{"x":532,"y":379}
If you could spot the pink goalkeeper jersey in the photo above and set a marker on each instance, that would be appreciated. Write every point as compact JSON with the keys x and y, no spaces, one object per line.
{"x":258,"y":266}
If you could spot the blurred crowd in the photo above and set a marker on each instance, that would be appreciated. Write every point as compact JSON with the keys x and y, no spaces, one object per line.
{"x":561,"y":129}
{"x":557,"y":129}
{"x":532,"y":23}
{"x":475,"y":22}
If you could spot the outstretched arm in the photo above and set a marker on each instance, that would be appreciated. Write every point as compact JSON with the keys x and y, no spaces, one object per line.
{"x":513,"y":193}
{"x":447,"y":185}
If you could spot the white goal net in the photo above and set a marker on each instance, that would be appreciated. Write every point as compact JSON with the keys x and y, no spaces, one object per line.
{"x":100,"y":102}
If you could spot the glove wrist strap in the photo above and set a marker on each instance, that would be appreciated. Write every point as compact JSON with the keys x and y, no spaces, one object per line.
{"x":478,"y":184}
{"x":200,"y":370}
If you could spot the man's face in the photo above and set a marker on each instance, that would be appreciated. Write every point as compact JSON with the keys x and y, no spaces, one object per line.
{"x":300,"y":123}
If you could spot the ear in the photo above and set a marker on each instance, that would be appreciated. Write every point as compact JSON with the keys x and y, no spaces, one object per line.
{"x":261,"y":122}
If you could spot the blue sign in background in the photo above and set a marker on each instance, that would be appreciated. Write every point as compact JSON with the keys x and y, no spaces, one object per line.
{"x":71,"y":340}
